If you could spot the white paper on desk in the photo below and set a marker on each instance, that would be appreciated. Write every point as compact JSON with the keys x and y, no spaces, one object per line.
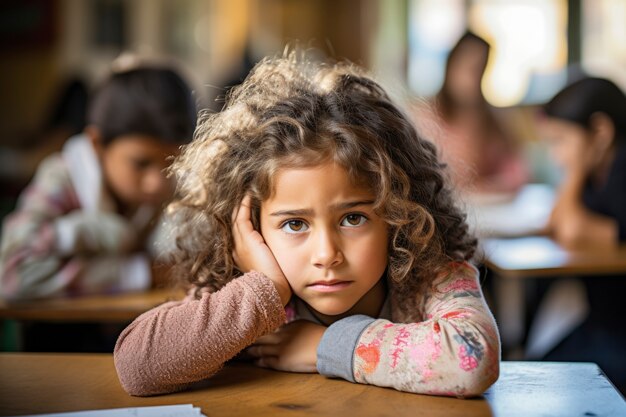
{"x":525,"y":214}
{"x":183,"y":410}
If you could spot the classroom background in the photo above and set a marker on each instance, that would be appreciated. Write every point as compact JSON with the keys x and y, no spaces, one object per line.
{"x":53,"y":52}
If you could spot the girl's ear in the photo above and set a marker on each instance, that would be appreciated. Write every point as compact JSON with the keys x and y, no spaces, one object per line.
{"x":602,"y":130}
{"x":95,"y":137}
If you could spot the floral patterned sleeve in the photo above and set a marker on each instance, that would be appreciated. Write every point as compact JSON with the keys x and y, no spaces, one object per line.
{"x":455,"y":351}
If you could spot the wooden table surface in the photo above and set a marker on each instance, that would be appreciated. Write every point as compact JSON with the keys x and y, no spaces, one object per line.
{"x":97,"y":308}
{"x":540,"y":256}
{"x":45,"y":383}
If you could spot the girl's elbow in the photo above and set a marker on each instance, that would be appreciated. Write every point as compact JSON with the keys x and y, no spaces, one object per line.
{"x":140,"y":384}
{"x":133,"y":371}
{"x":140,"y":373}
{"x":475,"y":383}
{"x":136,"y":382}
{"x":134,"y":389}
{"x":128,"y":373}
{"x":479,"y":384}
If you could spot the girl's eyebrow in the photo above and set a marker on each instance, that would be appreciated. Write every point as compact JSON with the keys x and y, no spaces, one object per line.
{"x":308,"y":212}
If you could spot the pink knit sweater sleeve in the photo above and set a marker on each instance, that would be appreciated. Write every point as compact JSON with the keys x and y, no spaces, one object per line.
{"x":178,"y":343}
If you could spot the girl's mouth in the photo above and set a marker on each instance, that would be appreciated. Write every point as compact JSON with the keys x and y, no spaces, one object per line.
{"x":330,"y":286}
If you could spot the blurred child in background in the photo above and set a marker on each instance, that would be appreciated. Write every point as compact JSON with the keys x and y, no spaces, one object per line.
{"x":482,"y":156}
{"x":585,"y":125}
{"x":586,"y":128}
{"x":82,"y":225}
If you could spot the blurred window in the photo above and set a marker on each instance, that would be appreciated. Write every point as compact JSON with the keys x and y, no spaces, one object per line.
{"x":604,"y":39}
{"x":434,"y":28}
{"x":528,"y":38}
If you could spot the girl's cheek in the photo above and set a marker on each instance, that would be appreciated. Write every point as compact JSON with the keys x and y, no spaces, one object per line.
{"x":279,"y":254}
{"x":560,"y":153}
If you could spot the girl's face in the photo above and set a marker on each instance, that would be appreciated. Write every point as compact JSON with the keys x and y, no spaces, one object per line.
{"x":326,"y":237}
{"x":568,"y":142}
{"x":133,"y":166}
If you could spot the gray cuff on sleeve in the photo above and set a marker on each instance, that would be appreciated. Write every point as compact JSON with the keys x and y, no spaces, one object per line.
{"x":336,"y":349}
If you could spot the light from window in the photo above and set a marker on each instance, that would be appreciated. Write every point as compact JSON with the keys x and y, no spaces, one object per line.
{"x":528,"y":38}
{"x":604,"y":39}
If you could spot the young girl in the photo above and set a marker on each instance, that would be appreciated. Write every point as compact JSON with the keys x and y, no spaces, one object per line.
{"x":82,"y":224}
{"x":310,"y":200}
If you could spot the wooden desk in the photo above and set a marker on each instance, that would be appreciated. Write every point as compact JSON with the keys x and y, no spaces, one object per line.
{"x":540,"y":256}
{"x":118,"y":308}
{"x":38,"y":383}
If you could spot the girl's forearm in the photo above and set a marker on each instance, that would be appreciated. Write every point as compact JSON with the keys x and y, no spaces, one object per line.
{"x":455,"y":351}
{"x":179,"y":343}
{"x":456,"y":356}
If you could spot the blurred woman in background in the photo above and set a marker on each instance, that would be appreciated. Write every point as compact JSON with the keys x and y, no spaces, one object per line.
{"x":482,"y":157}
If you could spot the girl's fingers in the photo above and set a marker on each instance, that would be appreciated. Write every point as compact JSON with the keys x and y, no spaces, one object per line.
{"x":243,"y":222}
{"x":233,"y":217}
{"x":243,"y":212}
{"x":240,"y":225}
{"x":268,"y":339}
{"x":267,"y":362}
{"x":261,"y":351}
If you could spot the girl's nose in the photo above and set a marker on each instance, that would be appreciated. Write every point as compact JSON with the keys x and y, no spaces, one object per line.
{"x":326,"y":252}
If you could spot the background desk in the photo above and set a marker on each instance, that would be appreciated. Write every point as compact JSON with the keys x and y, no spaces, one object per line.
{"x":540,"y":256}
{"x":513,"y":260}
{"x":117,"y":308}
{"x":38,"y":383}
{"x":110,"y":310}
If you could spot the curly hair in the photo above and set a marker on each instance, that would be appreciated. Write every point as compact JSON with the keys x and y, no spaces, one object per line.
{"x":291,"y":112}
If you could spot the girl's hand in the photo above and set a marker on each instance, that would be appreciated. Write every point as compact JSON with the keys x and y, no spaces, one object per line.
{"x":292,"y":348}
{"x":251,"y":252}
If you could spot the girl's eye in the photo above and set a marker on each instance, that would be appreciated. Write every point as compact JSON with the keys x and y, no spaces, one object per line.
{"x":353,"y":220}
{"x":294,"y":226}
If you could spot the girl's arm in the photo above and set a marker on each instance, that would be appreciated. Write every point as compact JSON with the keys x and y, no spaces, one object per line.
{"x":50,"y":247}
{"x":455,"y":351}
{"x":573,"y":224}
{"x":179,"y":343}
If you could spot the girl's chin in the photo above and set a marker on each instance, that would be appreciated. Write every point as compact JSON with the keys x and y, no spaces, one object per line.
{"x":329,"y":310}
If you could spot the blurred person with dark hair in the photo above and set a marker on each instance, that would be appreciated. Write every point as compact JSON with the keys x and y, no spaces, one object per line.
{"x":482,"y":156}
{"x":84,"y":223}
{"x":585,"y":124}
{"x":586,"y":127}
{"x":71,"y":109}
{"x":66,"y":118}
